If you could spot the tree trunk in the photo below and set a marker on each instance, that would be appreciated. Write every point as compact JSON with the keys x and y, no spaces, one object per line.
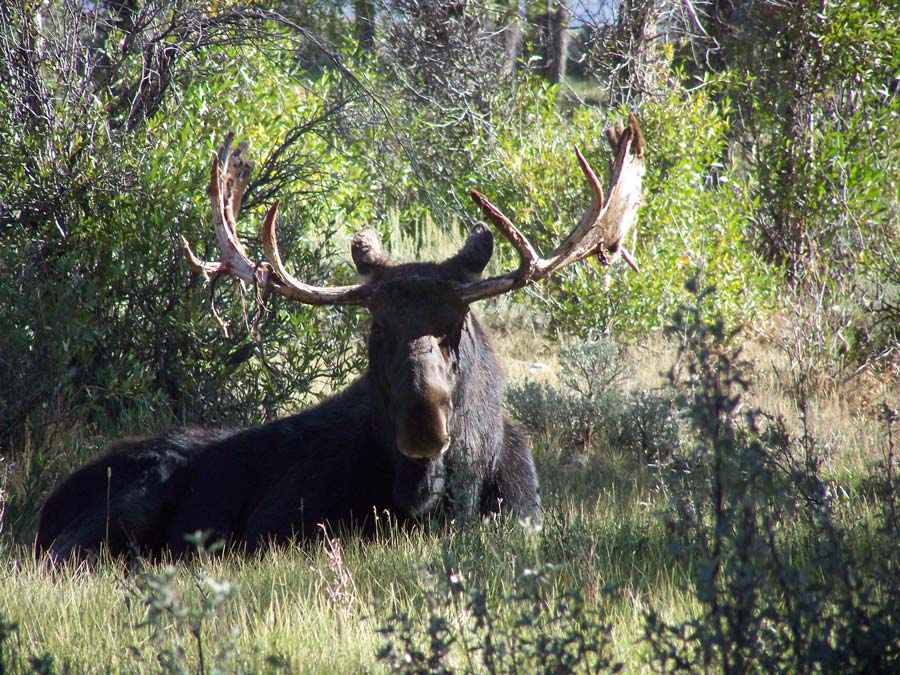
{"x":559,"y":40}
{"x":364,"y":12}
{"x":551,"y":35}
{"x":511,"y":26}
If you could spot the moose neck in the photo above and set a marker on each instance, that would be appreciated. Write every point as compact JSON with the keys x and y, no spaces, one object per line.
{"x":480,"y":385}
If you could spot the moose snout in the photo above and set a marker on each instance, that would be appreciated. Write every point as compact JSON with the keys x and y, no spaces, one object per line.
{"x":422,"y":400}
{"x":424,"y":431}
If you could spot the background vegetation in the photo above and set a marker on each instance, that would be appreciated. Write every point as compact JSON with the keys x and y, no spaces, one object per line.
{"x":737,"y":513}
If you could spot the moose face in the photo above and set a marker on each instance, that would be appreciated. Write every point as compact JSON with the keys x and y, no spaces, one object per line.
{"x":418,"y":324}
{"x":414,"y":361}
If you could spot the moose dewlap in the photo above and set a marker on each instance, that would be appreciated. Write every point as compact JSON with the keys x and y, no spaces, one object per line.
{"x":422,"y":430}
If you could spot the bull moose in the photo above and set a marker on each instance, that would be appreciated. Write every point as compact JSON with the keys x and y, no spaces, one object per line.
{"x":422,"y":430}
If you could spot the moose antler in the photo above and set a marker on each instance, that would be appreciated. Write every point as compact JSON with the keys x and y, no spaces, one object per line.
{"x":228,"y":181}
{"x":600,"y":232}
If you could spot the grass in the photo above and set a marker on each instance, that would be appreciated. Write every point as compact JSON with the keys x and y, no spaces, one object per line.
{"x":307,"y":610}
{"x":324,"y":607}
{"x":320,"y":612}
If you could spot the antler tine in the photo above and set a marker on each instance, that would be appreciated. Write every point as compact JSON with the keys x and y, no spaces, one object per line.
{"x":291,"y":287}
{"x":238,"y":170}
{"x":234,"y":257}
{"x":600,"y":231}
{"x":529,"y":259}
{"x":228,"y":179}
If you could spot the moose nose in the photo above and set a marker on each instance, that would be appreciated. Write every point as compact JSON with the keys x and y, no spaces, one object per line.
{"x":422,"y":400}
{"x":424,"y":432}
{"x":423,"y":423}
{"x":422,"y":450}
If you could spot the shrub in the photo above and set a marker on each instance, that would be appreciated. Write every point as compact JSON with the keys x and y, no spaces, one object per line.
{"x":105,"y":330}
{"x":786,"y":579}
{"x":531,"y":630}
{"x":179,"y":626}
{"x":591,"y":411}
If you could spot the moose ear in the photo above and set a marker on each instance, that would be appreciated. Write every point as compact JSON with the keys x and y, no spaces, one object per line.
{"x":473,"y":257}
{"x":368,"y":255}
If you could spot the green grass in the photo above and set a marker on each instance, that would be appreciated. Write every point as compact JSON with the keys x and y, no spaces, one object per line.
{"x":321,"y":608}
{"x":320,"y":612}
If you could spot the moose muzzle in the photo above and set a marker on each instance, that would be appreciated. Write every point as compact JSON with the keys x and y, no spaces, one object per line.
{"x":422,"y":401}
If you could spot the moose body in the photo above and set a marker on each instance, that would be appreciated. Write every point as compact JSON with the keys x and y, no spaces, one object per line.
{"x":421,"y":431}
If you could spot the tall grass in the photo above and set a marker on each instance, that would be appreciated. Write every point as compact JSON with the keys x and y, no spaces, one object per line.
{"x":320,"y":608}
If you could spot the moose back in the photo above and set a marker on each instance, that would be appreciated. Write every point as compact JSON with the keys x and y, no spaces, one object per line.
{"x":421,"y":431}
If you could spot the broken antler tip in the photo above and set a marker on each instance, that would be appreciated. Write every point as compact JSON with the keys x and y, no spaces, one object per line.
{"x":193,"y":261}
{"x":638,"y":138}
{"x":627,"y":257}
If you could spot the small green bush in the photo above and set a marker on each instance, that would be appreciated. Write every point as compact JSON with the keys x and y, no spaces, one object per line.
{"x":188,"y":635}
{"x":591,"y":412}
{"x":787,"y":579}
{"x":464,"y":630}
